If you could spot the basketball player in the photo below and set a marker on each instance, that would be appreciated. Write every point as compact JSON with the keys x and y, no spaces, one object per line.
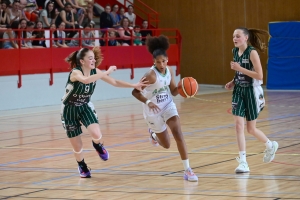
{"x":77,"y":108}
{"x":158,"y":107}
{"x":248,"y":98}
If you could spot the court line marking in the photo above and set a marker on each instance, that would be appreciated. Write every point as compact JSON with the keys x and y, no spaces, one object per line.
{"x":145,"y":151}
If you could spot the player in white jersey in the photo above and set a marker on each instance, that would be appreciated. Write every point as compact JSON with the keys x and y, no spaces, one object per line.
{"x":158,"y":107}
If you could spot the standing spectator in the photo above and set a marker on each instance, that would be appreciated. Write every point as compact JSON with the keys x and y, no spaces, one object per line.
{"x":130,"y":15}
{"x":60,"y":36}
{"x":125,"y":32}
{"x":115,"y":16}
{"x":67,"y":17}
{"x":144,"y":31}
{"x":105,"y":18}
{"x":4,"y":19}
{"x":10,"y":37}
{"x":48,"y":15}
{"x":39,"y":34}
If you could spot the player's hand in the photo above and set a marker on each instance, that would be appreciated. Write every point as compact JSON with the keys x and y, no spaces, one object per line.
{"x":235,"y":66}
{"x":111,"y":69}
{"x":142,"y":83}
{"x":229,"y":85}
{"x":153,"y":107}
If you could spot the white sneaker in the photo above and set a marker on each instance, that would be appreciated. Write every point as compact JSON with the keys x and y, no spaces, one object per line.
{"x":243,"y":166}
{"x":152,"y":138}
{"x":270,"y":153}
{"x":189,"y":175}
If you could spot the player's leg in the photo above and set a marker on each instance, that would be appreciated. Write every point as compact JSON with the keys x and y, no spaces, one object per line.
{"x":238,"y":111}
{"x":90,"y":121}
{"x":254,"y":104}
{"x":72,"y":127}
{"x":172,"y":119}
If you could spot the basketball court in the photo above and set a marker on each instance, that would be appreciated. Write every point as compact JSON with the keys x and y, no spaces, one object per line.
{"x":37,"y":161}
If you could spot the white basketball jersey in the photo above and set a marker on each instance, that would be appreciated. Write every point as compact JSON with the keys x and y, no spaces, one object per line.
{"x":158,"y":92}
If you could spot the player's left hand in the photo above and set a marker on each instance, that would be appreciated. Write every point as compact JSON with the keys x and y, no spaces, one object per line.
{"x":111,"y":69}
{"x":142,"y":83}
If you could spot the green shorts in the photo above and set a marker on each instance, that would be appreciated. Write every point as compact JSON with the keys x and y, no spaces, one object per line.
{"x":247,"y":101}
{"x":73,"y":116}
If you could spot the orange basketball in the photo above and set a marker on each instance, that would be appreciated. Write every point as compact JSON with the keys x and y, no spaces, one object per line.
{"x":187,"y":87}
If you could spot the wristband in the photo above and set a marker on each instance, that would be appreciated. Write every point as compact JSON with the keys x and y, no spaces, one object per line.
{"x":148,"y":101}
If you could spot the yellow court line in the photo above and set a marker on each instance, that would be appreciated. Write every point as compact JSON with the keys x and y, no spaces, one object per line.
{"x":144,"y":151}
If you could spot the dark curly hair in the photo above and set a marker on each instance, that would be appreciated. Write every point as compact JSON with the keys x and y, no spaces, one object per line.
{"x":158,"y":45}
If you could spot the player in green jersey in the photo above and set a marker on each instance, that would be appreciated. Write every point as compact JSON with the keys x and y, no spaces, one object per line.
{"x":77,"y":108}
{"x":247,"y":98}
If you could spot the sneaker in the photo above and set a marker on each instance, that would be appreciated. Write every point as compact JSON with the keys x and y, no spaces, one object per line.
{"x":270,"y":153}
{"x":189,"y":175}
{"x":84,"y":171}
{"x":243,"y":166}
{"x":103,"y":153}
{"x":152,"y":139}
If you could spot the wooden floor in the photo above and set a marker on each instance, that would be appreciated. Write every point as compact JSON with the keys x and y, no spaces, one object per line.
{"x":37,"y":160}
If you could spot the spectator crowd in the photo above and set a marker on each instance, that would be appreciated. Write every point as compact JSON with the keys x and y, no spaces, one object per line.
{"x":24,"y":24}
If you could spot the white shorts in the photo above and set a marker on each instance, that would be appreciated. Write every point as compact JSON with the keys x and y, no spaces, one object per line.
{"x":157,"y":123}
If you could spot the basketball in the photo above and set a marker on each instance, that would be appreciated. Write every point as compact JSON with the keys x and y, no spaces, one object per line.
{"x":187,"y":87}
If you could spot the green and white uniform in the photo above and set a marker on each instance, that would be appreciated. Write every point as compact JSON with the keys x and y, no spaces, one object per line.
{"x":159,"y":94}
{"x":248,"y":97}
{"x":76,"y":107}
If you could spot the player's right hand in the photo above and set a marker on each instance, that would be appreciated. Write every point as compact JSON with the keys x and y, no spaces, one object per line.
{"x":229,"y":85}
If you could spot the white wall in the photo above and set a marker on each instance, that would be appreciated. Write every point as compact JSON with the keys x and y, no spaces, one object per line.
{"x":36,"y":91}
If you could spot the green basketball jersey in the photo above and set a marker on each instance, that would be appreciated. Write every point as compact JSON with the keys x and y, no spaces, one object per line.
{"x":78,"y":93}
{"x":245,"y":62}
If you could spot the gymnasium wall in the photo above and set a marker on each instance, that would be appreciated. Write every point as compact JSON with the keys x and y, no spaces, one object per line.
{"x":207,"y":27}
{"x":35,"y":90}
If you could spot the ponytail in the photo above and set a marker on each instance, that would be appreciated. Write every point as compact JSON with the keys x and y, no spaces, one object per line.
{"x":72,"y":59}
{"x":254,"y":38}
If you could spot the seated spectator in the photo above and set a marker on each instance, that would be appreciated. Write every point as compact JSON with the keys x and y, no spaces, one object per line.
{"x":125,"y":32}
{"x":53,"y":29}
{"x":29,"y":36}
{"x":130,"y":15}
{"x":121,"y":13}
{"x":79,"y":11}
{"x":88,"y":6}
{"x":58,"y":4}
{"x":60,"y":35}
{"x":23,"y":34}
{"x":115,"y":16}
{"x":137,"y":36}
{"x":10,"y":37}
{"x":4,"y":19}
{"x":87,"y":38}
{"x":144,"y":31}
{"x":48,"y":15}
{"x":112,"y":35}
{"x":31,"y":10}
{"x":14,"y":13}
{"x":105,"y":18}
{"x":38,"y":34}
{"x":67,"y":17}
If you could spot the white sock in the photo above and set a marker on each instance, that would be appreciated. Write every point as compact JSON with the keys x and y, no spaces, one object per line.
{"x":153,"y":135}
{"x":186,"y":164}
{"x":243,"y":156}
{"x":269,"y":144}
